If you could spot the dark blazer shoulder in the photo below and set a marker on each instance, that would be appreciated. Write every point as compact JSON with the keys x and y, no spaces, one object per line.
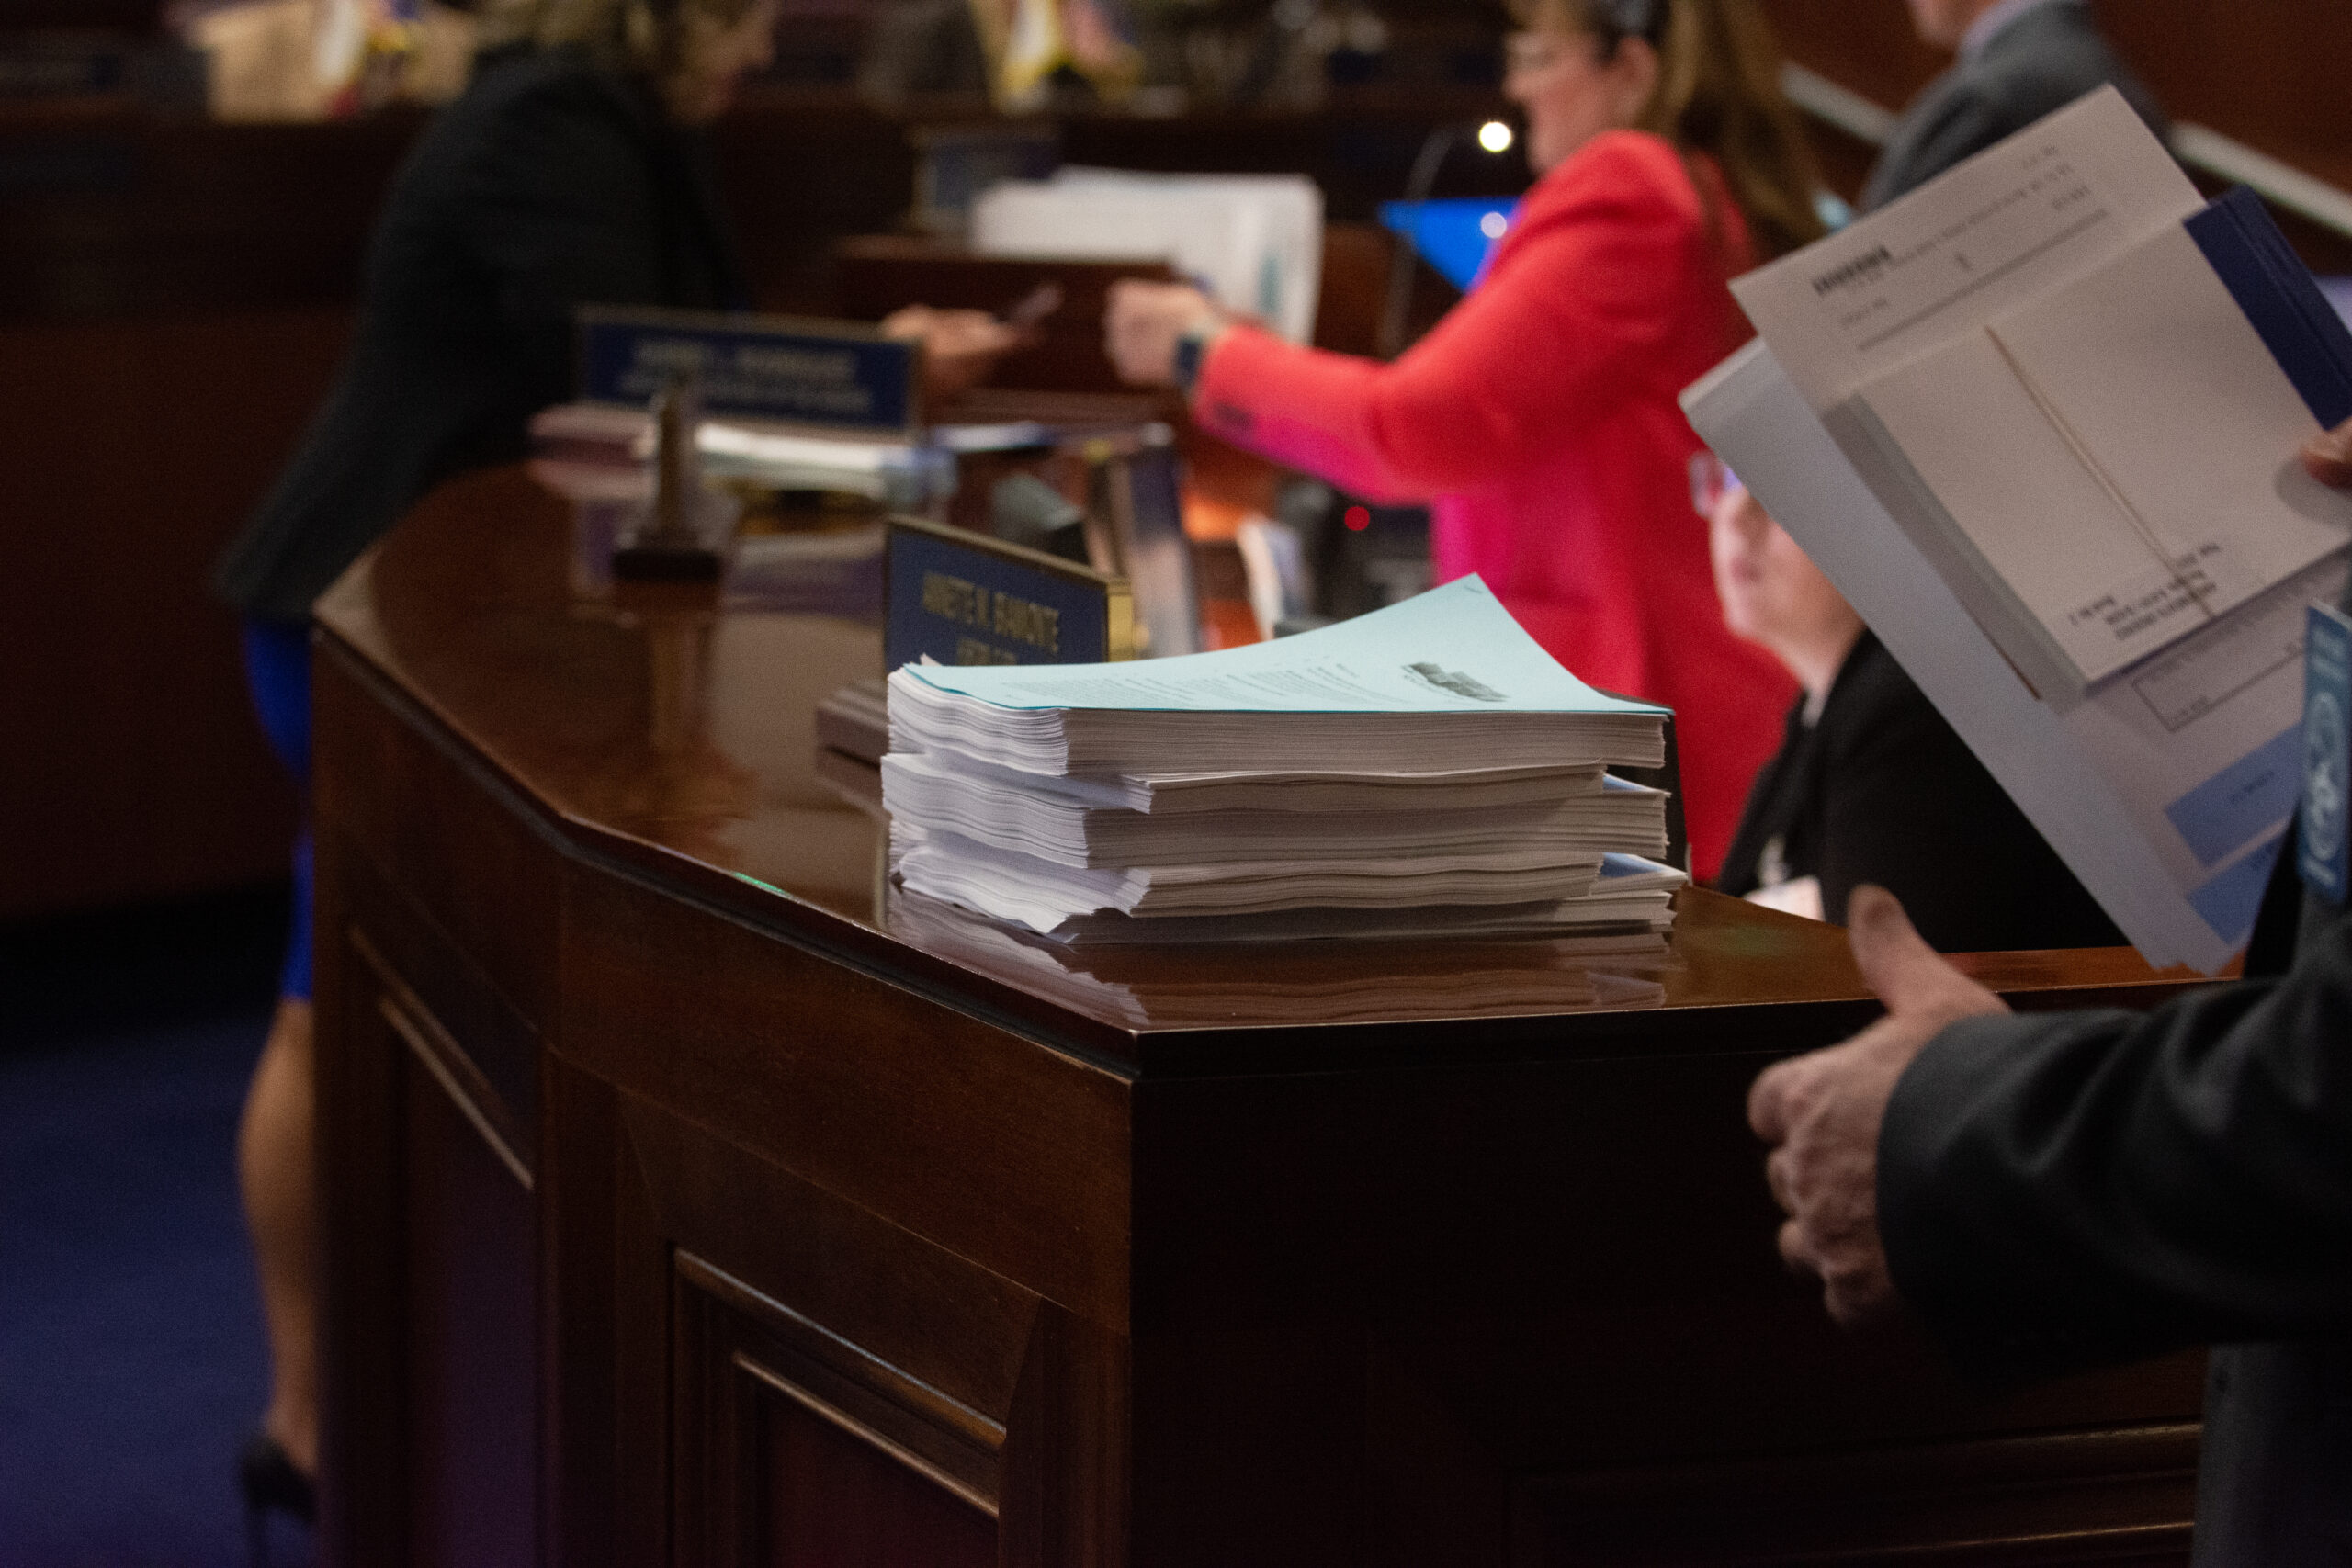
{"x":523,"y":105}
{"x":1874,"y":708}
{"x":2047,"y":59}
{"x":2038,"y":65}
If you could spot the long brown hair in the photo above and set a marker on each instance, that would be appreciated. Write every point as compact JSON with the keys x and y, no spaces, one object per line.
{"x":1718,"y":93}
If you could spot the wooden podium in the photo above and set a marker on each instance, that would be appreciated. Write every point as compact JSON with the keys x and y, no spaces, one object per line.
{"x":695,"y":1198}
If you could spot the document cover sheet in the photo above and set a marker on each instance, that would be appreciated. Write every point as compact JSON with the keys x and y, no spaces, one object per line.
{"x":2166,"y":790}
{"x":2049,"y":301}
{"x":1453,"y":649}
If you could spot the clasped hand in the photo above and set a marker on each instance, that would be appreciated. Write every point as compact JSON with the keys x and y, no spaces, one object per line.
{"x":1821,"y":1112}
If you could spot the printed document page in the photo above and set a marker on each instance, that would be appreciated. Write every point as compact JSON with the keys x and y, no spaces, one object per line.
{"x":1452,"y":650}
{"x":2118,"y":455}
{"x":2074,"y":192}
{"x":2165,"y":791}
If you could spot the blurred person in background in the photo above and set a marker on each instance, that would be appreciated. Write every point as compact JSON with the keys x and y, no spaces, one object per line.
{"x":572,"y":171}
{"x":1025,"y":54}
{"x":1539,"y":417}
{"x":1870,"y":784}
{"x":2018,"y":59}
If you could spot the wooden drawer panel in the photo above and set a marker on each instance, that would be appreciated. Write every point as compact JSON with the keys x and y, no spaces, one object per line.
{"x":985,"y":1144}
{"x":436,"y":826}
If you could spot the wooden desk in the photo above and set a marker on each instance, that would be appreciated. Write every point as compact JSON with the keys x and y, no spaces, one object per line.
{"x":693,"y":1200}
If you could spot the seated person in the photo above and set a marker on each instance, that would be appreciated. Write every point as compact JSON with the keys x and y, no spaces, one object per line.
{"x":1538,"y":419}
{"x":2018,"y":59}
{"x":1026,"y":55}
{"x":1870,"y":784}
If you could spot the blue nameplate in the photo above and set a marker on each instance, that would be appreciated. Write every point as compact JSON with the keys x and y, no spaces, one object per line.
{"x":962,"y":598}
{"x":2327,"y":759}
{"x":831,"y":373}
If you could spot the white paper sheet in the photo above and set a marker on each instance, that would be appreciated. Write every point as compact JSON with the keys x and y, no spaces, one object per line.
{"x":2079,"y":189}
{"x":1452,"y":651}
{"x":1254,"y":241}
{"x":2165,"y":792}
{"x":2147,"y":483}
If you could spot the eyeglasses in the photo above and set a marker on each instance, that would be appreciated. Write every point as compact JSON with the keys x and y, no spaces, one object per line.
{"x":1711,"y":480}
{"x":1528,"y":52}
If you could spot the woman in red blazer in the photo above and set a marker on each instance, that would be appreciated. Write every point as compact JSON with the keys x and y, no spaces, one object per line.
{"x":1539,"y":417}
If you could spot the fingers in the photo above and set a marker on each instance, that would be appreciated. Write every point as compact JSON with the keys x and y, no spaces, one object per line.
{"x":1908,"y":974}
{"x":1780,"y":1175}
{"x":1768,"y":1101}
{"x":2327,"y":456}
{"x":1796,"y":1248}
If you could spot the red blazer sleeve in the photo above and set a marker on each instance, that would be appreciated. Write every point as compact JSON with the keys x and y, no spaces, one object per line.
{"x":1586,"y":287}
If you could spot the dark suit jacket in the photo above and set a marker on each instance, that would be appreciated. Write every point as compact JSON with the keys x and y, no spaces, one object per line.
{"x":550,"y":184}
{"x":2070,"y":1188}
{"x":1880,"y":789}
{"x":2039,"y":64}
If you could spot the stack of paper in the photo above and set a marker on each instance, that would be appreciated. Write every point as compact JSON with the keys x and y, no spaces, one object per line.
{"x":1421,"y":770}
{"x":600,"y":451}
{"x":2037,"y":420}
{"x":1253,"y":241}
{"x":1378,"y":980}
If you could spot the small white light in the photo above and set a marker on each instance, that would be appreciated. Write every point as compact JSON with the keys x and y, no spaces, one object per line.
{"x":1495,"y":136}
{"x":1492,"y":225}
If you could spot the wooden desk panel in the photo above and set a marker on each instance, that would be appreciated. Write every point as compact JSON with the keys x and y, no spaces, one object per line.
{"x":849,"y":1224}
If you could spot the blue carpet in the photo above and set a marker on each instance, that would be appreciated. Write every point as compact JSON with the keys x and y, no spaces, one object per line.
{"x":131,"y":1362}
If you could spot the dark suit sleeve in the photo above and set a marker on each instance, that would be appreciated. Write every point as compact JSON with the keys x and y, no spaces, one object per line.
{"x":1906,"y":806}
{"x":1968,"y":119}
{"x":561,"y":206}
{"x":2079,"y":1188}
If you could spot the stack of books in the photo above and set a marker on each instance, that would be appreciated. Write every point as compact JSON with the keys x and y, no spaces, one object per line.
{"x":1427,"y":770}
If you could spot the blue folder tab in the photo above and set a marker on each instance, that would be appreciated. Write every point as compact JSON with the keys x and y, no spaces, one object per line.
{"x":829,"y":373}
{"x":1453,"y":236}
{"x":2242,"y":244}
{"x":2327,"y":752}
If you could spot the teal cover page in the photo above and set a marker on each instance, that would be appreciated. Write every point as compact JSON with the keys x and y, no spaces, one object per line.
{"x":1452,"y":650}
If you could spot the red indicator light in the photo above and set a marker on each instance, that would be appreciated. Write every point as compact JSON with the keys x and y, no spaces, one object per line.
{"x":1359,"y":518}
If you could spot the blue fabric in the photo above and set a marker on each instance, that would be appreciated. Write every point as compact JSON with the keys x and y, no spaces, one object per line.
{"x":278,"y":669}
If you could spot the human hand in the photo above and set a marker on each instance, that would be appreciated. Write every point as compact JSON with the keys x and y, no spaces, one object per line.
{"x":959,"y":347}
{"x":2327,"y":456}
{"x":1821,"y":1112}
{"x":1143,"y":323}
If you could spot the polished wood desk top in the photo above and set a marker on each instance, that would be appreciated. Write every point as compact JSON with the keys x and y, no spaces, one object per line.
{"x":675,"y":738}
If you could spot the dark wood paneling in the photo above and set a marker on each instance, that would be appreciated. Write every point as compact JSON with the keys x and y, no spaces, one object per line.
{"x":922,"y":1316}
{"x":1065,"y":1496}
{"x":411,"y":808}
{"x":1506,"y":1242}
{"x":363,"y":1480}
{"x":776,"y":1468}
{"x":960,"y":1131}
{"x":2065,"y":1497}
{"x":431,"y":1330}
{"x":2268,"y":75}
{"x":830,"y":1498}
{"x":114,"y":212}
{"x":131,"y":451}
{"x":469,"y":1316}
